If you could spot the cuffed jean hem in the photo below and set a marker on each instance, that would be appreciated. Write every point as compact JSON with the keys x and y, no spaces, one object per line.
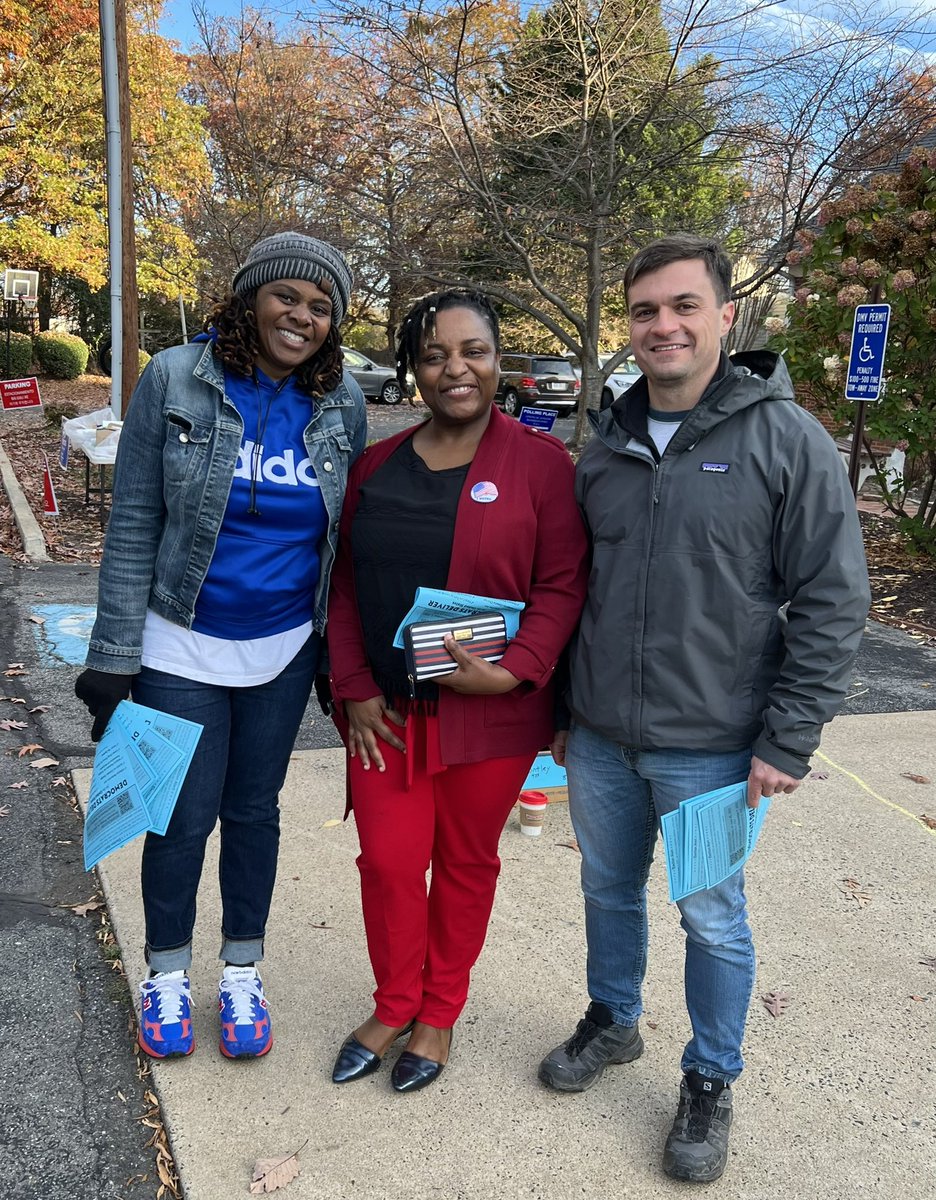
{"x":707,"y":1072}
{"x":241,"y":952}
{"x":177,"y":958}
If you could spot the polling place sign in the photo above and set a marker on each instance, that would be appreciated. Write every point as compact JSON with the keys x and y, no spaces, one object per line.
{"x":866,"y":361}
{"x":19,"y":393}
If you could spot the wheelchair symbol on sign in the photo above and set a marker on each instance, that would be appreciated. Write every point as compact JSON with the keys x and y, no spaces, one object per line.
{"x":865,"y":353}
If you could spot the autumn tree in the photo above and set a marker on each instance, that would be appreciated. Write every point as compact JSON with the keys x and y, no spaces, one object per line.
{"x":52,"y":149}
{"x":276,"y":121}
{"x":877,"y":235}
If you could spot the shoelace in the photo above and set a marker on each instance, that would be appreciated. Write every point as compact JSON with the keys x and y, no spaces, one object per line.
{"x":243,"y":994}
{"x":170,"y":995}
{"x":584,"y":1032}
{"x":701,"y":1111}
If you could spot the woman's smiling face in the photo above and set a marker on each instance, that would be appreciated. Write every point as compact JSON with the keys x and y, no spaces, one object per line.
{"x":458,"y":367}
{"x":293,"y":319}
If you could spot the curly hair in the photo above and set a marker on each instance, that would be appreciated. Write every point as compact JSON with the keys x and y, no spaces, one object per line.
{"x":419,"y":323}
{"x":236,"y":344}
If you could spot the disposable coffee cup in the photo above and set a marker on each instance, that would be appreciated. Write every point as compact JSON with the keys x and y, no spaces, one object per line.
{"x":532,"y":812}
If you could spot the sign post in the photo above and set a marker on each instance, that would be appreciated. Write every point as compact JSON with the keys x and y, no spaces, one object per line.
{"x":865,"y":377}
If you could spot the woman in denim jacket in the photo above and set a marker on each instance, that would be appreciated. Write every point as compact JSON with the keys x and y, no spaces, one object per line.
{"x":212,"y":599}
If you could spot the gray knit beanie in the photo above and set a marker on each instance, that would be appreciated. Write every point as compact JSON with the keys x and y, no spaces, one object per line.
{"x":296,"y":256}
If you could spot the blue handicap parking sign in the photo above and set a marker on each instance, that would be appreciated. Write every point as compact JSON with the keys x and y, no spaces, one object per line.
{"x":866,"y":361}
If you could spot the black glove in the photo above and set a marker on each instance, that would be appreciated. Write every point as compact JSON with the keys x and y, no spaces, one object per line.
{"x":101,"y":691}
{"x":323,"y":694}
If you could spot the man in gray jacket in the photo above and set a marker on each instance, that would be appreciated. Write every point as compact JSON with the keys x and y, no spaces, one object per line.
{"x":727,"y":597}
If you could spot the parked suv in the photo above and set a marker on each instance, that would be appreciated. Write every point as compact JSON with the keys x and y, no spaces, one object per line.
{"x":377,"y":382}
{"x":540,"y":380}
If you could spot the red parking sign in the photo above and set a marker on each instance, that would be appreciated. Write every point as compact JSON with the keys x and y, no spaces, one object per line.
{"x":20,"y":393}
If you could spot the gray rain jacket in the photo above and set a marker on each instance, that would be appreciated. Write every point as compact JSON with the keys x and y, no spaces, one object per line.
{"x":728,"y":588}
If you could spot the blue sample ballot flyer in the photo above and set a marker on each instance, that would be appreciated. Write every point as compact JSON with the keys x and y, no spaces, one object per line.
{"x":139,"y":768}
{"x":433,"y":604}
{"x":709,"y":837}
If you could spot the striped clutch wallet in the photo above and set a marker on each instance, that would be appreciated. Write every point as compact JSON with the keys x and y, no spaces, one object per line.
{"x":483,"y":634}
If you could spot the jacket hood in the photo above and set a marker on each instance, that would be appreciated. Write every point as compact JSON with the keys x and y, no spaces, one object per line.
{"x":746,"y":378}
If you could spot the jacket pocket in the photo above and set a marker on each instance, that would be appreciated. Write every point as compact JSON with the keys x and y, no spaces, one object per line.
{"x":187,"y":442}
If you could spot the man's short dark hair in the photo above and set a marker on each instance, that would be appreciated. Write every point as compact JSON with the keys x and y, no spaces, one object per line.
{"x":678,"y":248}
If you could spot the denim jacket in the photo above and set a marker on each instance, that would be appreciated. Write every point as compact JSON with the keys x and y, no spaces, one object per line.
{"x":175,"y":463}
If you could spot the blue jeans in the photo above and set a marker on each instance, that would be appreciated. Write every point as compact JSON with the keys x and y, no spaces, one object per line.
{"x":236,"y":774}
{"x":616,"y":798}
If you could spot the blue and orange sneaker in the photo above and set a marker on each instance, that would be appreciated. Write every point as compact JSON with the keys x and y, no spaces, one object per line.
{"x":245,"y":1019}
{"x":166,"y":1015}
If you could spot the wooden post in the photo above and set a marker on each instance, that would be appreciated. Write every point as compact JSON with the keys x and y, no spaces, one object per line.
{"x":131,"y":355}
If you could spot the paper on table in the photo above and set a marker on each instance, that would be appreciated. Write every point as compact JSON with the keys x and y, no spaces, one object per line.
{"x":431,"y":603}
{"x":139,"y":767}
{"x":709,"y":837}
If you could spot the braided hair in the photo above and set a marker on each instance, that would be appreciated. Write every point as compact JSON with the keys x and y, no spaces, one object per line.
{"x":419,"y":324}
{"x":235,"y":328}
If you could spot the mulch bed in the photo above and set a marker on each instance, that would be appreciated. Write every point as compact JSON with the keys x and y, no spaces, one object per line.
{"x":903,"y":585}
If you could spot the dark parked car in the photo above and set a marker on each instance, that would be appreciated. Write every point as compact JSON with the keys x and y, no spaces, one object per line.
{"x":537,"y":380}
{"x":377,"y":382}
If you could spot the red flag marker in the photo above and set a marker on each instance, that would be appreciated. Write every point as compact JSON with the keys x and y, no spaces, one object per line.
{"x":50,"y":506}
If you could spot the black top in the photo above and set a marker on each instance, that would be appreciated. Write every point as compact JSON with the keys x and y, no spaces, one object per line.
{"x":401,"y":539}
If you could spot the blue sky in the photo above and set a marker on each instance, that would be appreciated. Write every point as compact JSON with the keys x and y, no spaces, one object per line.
{"x":178,"y":21}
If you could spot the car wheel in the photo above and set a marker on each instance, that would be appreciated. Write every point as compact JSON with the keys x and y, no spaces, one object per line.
{"x":392,"y":393}
{"x":512,"y":403}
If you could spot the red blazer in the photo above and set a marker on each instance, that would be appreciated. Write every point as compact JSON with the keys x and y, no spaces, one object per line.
{"x":529,"y":544}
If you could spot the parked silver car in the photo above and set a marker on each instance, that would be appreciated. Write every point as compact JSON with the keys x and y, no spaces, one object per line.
{"x":377,"y":382}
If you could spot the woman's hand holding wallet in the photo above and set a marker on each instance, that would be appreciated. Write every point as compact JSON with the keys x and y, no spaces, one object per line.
{"x":475,"y":676}
{"x":367,"y":723}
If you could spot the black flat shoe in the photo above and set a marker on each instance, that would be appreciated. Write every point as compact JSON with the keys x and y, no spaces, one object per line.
{"x":354,"y":1060}
{"x":412,"y":1072}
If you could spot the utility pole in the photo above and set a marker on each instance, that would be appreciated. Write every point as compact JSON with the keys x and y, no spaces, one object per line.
{"x":115,"y":79}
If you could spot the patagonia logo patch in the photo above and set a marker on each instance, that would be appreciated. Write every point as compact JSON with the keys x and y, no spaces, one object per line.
{"x":715,"y":468}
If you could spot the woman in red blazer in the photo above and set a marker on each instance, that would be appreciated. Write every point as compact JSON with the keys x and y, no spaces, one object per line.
{"x":473,"y":502}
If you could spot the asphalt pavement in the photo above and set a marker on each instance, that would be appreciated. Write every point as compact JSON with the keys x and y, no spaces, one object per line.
{"x":837,"y":1099}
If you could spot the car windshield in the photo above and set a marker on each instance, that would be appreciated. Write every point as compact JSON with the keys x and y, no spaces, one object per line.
{"x":553,"y":366}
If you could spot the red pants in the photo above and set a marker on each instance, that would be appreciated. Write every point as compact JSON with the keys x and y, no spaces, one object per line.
{"x":423,"y":943}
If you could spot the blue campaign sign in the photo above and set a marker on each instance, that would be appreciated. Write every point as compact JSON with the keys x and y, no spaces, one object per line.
{"x":866,"y":361}
{"x":538,"y":418}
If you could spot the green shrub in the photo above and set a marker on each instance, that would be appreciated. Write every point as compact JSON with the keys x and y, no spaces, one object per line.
{"x":144,"y":359}
{"x":61,"y":355}
{"x":21,"y":356}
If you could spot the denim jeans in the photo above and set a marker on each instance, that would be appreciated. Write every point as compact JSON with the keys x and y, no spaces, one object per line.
{"x":236,"y":774}
{"x":616,"y":798}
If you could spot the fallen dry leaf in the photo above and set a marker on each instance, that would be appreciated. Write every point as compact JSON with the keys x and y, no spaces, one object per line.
{"x":269,"y":1174}
{"x":14,"y":669}
{"x":4,"y":810}
{"x":13,"y":699}
{"x":854,"y":891}
{"x":929,"y":822}
{"x":776,"y":1003}
{"x":61,"y":781}
{"x":36,"y":620}
{"x":22,"y":783}
{"x":8,"y":725}
{"x":89,"y":906}
{"x":915,"y":778}
{"x":31,"y":749}
{"x":818,"y":775}
{"x":40,"y":708}
{"x":331,"y":823}
{"x":570,"y":845}
{"x":920,"y":998}
{"x":44,"y":762}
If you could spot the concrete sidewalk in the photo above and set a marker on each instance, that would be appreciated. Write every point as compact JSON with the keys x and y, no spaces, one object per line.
{"x":838,"y":1096}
